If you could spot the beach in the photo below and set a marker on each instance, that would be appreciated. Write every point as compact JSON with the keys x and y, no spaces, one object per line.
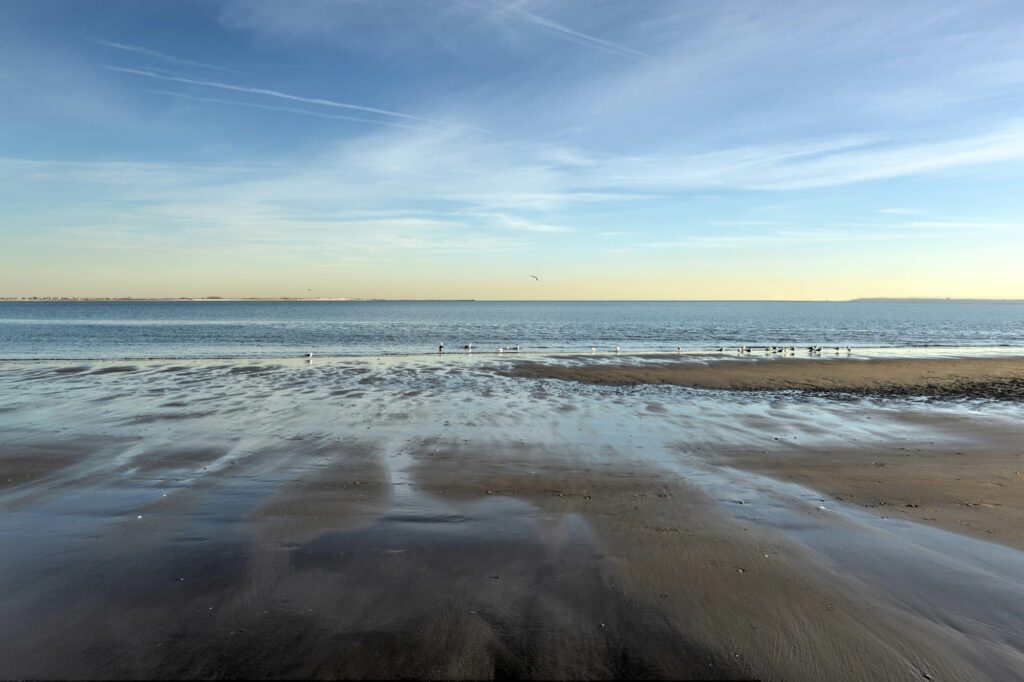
{"x":479,"y":517}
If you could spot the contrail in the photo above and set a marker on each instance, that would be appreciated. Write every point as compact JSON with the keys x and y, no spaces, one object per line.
{"x":593,"y":41}
{"x":293,"y":110}
{"x":273,"y":93}
{"x":159,"y":55}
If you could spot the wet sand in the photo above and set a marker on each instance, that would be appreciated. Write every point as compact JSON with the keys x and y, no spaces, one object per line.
{"x":972,"y":485}
{"x":699,"y":585}
{"x":439,"y":520}
{"x":983,"y":378}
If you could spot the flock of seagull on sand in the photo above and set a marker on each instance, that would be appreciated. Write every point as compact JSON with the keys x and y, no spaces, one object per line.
{"x":768,"y":350}
{"x":791,"y":350}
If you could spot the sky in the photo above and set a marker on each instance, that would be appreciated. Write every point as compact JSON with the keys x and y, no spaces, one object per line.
{"x":664,"y":149}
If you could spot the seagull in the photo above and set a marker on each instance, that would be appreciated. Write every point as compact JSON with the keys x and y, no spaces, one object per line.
{"x":537,"y":278}
{"x":440,"y":349}
{"x":309,"y":356}
{"x":617,"y":349}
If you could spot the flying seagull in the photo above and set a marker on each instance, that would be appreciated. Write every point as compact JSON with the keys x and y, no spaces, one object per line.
{"x":536,"y":278}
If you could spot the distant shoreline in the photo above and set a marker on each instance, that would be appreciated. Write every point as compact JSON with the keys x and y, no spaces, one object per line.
{"x":281,"y":299}
{"x":180,"y":299}
{"x":936,"y":300}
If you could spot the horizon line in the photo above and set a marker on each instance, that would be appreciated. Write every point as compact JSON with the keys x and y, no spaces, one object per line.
{"x":342,"y":299}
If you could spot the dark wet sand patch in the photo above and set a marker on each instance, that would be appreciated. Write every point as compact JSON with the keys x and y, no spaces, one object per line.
{"x":109,"y":397}
{"x":155,"y":417}
{"x":253,"y":369}
{"x":174,"y":369}
{"x":21,"y":464}
{"x":348,"y":393}
{"x":179,"y":458}
{"x":341,"y":484}
{"x":115,"y":369}
{"x":72,"y":370}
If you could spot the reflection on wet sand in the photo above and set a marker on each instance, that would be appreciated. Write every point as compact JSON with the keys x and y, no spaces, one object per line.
{"x":434,"y":519}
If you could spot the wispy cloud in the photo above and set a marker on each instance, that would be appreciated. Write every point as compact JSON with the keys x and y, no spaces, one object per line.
{"x":902,"y":211}
{"x":958,"y":224}
{"x":520,"y":185}
{"x":147,"y":52}
{"x":291,"y":210}
{"x":900,"y":160}
{"x":800,"y":165}
{"x":780,"y":238}
{"x":522,"y":224}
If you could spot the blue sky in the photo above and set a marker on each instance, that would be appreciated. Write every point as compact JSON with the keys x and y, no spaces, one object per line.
{"x":419,"y":149}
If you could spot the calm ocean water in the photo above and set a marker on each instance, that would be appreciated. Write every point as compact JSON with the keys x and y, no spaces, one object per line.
{"x":242,"y":329}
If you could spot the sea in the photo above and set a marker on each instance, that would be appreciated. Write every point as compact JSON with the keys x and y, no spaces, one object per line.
{"x":222,"y":329}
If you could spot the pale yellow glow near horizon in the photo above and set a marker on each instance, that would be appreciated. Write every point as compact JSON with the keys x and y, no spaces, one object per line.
{"x":765,"y":283}
{"x":925,"y":270}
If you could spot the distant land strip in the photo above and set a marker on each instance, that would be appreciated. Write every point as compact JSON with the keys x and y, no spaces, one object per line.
{"x":178,"y":298}
{"x":339,"y":298}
